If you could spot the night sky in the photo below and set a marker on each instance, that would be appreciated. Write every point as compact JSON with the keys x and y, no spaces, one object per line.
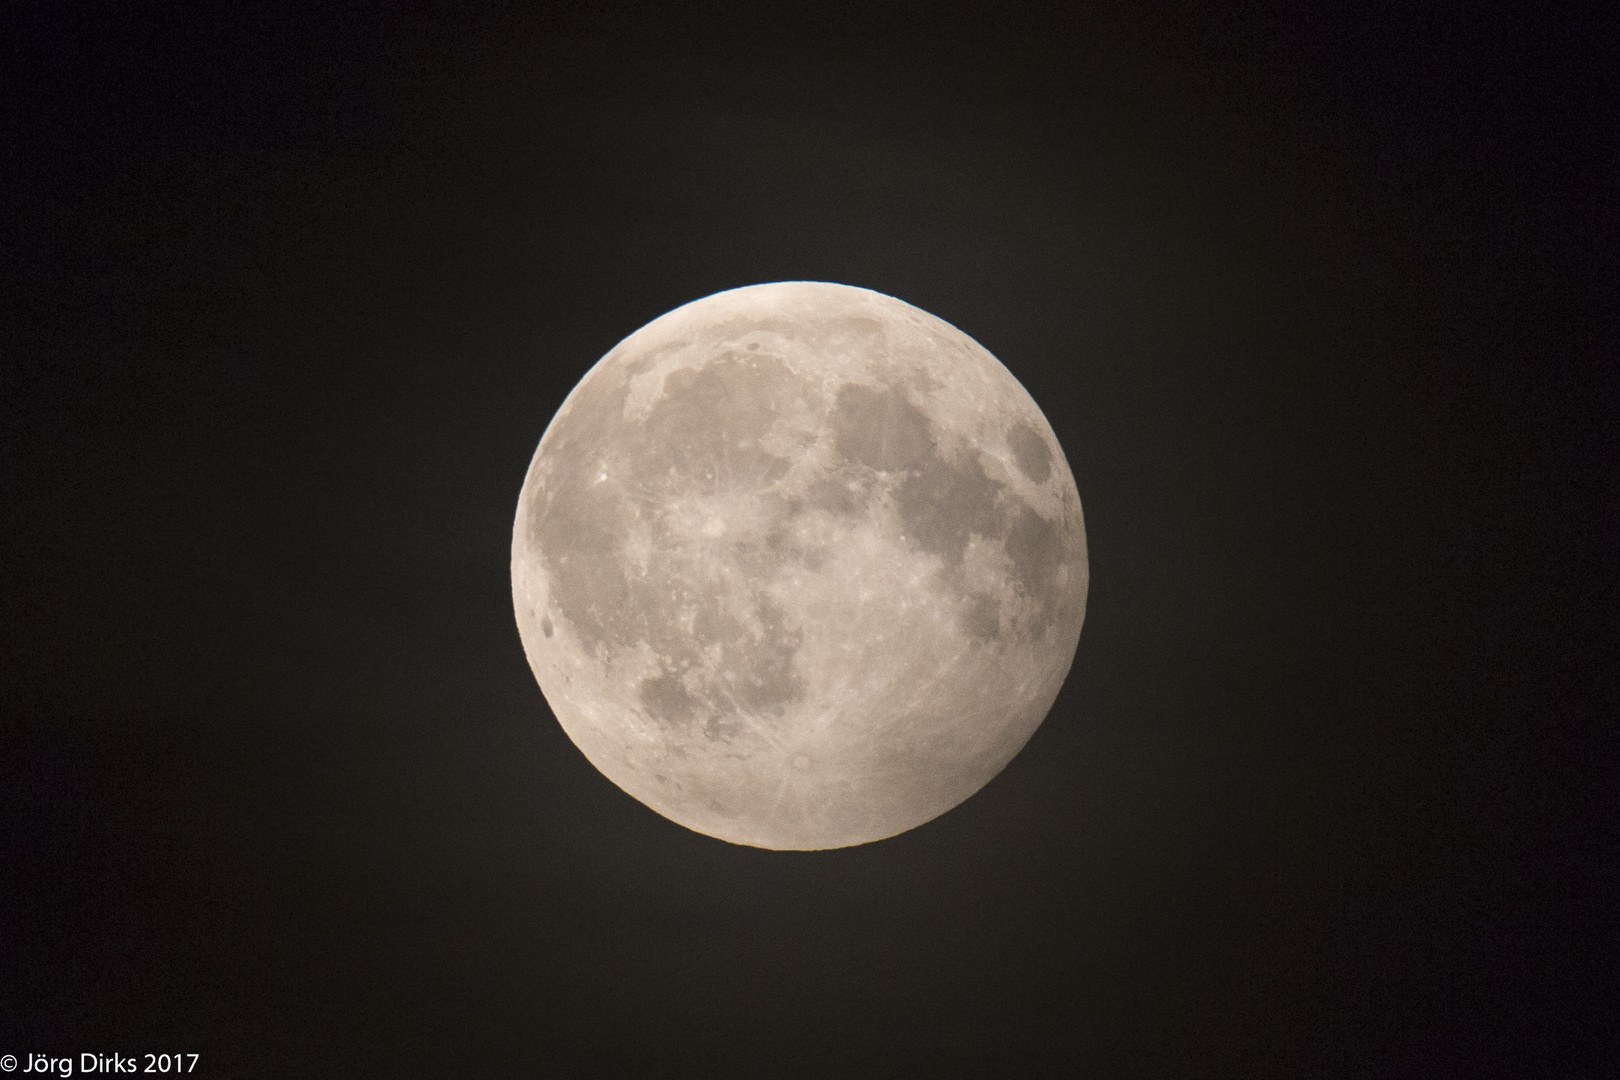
{"x":1321,"y":307}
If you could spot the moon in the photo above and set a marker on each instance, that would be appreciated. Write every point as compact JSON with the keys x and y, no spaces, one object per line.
{"x":799,"y":566}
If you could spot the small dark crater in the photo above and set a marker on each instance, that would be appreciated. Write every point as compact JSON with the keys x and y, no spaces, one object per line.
{"x":764,"y":668}
{"x":941,"y":504}
{"x":712,"y":623}
{"x":665,"y":698}
{"x":981,"y":617}
{"x":880,"y":428}
{"x":753,"y":346}
{"x":831,"y":494}
{"x":1036,"y":549}
{"x":545,"y":625}
{"x":1030,"y":451}
{"x":721,"y":729}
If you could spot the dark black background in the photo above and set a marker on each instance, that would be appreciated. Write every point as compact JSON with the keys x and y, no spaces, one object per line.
{"x":1321,"y":306}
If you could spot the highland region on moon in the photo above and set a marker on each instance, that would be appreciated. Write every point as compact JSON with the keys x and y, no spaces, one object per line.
{"x":799,"y":566}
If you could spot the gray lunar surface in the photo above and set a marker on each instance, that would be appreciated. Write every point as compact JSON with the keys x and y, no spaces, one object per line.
{"x":799,"y":566}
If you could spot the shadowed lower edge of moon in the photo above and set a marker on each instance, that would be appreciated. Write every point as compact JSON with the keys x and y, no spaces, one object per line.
{"x":611,"y":523}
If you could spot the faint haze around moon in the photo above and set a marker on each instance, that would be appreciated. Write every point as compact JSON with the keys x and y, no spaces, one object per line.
{"x":799,"y":566}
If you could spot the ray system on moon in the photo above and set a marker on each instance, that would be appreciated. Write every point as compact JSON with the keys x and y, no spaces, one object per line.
{"x":799,"y":566}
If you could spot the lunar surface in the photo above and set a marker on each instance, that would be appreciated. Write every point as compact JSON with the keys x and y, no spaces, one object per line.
{"x":799,"y":566}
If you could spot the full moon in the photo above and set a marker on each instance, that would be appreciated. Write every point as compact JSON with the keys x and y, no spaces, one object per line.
{"x":799,"y":566}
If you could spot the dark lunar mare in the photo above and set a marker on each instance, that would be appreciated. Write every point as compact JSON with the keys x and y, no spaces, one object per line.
{"x":944,"y":502}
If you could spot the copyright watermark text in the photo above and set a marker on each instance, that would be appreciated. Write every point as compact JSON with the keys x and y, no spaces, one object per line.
{"x":97,"y":1064}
